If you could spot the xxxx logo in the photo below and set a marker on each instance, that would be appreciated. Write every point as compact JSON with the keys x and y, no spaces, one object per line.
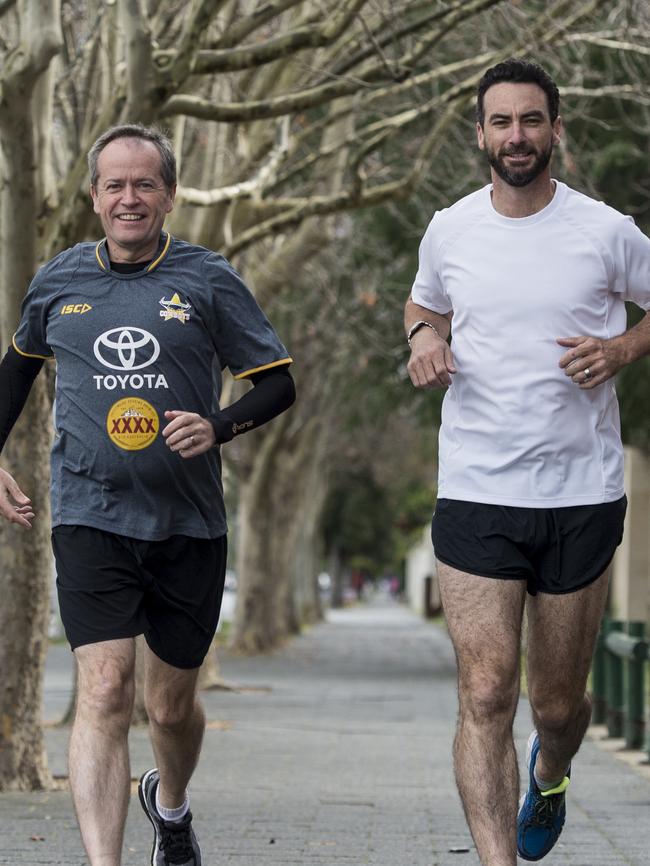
{"x":132,"y":424}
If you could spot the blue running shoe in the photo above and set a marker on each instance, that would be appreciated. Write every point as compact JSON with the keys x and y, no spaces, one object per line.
{"x":541,"y":815}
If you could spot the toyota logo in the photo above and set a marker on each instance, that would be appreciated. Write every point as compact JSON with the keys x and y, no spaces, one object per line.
{"x":120,"y":345}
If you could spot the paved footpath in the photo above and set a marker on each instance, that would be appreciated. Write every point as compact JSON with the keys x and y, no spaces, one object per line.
{"x":335,"y":751}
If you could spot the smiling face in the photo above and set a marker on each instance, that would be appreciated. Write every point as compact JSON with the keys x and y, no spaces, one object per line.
{"x":518,"y":135}
{"x":131,"y":198}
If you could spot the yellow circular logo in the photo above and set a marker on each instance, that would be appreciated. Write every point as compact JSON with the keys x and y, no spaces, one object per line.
{"x":132,"y":423}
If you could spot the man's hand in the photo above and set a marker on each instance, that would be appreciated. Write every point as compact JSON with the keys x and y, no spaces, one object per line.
{"x":431,"y":363}
{"x":591,"y":361}
{"x":14,"y":505}
{"x":188,"y":433}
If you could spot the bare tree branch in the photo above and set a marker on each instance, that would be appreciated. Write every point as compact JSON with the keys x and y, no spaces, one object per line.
{"x":243,"y":27}
{"x":195,"y":106}
{"x":374,"y":96}
{"x":465,"y":11}
{"x":379,"y":41}
{"x":138,"y":49}
{"x":322,"y":205}
{"x":201,"y":14}
{"x":30,"y":59}
{"x":622,"y":91}
{"x":245,"y":189}
{"x":363,"y":197}
{"x":308,"y":36}
{"x":614,"y":44}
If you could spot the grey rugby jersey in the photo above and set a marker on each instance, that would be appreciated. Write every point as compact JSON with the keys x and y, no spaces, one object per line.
{"x":128,"y":347}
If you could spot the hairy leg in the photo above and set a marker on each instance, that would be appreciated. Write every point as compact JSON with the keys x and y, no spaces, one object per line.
{"x":99,"y":757}
{"x":484,"y":618}
{"x":176,"y":725}
{"x":562,"y":632}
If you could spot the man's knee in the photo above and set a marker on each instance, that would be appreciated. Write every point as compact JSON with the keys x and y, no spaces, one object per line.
{"x":171,"y":714}
{"x":555,"y":713}
{"x":107,"y":692}
{"x":489,"y":696}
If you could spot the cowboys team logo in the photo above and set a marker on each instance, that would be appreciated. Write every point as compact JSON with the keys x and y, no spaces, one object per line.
{"x":132,"y":424}
{"x":175,"y":309}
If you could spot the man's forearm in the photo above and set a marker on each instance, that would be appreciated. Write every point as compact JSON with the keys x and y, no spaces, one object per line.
{"x":415,"y":313}
{"x":17,"y":374}
{"x":273,"y":392}
{"x":636,"y":341}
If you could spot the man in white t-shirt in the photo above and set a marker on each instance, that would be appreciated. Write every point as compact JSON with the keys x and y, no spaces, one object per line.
{"x":530,"y":497}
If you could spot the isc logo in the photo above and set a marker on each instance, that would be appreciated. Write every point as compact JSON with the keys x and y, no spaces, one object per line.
{"x":75,"y":308}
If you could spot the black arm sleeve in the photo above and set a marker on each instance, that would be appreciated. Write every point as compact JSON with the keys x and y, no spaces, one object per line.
{"x":17,"y":374}
{"x":272,"y":393}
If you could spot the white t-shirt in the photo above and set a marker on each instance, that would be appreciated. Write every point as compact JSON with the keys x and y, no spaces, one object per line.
{"x":515,"y":429}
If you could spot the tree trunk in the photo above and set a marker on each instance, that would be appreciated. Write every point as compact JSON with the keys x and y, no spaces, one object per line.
{"x":26,"y":566}
{"x":337,"y":577}
{"x":25,"y":557}
{"x":263,"y":586}
{"x":279,"y":509}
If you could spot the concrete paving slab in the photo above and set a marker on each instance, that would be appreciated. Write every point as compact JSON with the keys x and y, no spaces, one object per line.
{"x":337,"y":751}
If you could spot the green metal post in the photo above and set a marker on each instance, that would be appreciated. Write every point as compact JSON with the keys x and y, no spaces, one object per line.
{"x":598,"y":681}
{"x":614,"y":687}
{"x":634,"y":687}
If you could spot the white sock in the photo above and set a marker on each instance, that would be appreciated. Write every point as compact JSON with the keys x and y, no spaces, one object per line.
{"x":544,"y":785}
{"x":173,"y":815}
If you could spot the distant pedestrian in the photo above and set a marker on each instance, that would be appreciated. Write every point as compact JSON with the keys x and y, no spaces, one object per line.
{"x":140,"y":325}
{"x":531,"y":278}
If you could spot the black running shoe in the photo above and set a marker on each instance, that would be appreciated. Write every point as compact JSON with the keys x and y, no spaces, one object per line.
{"x":174,"y":842}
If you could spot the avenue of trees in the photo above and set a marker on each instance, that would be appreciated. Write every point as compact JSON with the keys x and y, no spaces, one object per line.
{"x":315,"y":138}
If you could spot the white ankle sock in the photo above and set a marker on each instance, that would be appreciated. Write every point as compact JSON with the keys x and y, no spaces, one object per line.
{"x":545,"y":786}
{"x":173,"y":815}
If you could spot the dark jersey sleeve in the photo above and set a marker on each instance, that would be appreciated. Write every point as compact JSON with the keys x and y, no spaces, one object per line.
{"x":244,"y":338}
{"x":31,"y":337}
{"x":273,"y":392}
{"x":17,"y":374}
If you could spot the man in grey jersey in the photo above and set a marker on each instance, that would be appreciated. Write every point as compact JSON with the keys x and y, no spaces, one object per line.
{"x":140,"y":325}
{"x":532,"y":278}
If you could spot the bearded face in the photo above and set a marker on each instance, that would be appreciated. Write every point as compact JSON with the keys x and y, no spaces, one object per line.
{"x":517,"y":133}
{"x":519,"y":165}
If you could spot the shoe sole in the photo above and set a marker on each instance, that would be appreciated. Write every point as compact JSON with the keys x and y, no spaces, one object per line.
{"x":145,"y":809}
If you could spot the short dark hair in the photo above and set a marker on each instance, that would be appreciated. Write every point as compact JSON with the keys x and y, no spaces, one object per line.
{"x":519,"y":72}
{"x":146,"y":133}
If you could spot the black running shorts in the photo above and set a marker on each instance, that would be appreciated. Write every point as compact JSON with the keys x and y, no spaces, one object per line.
{"x":112,"y":587}
{"x":555,"y":550}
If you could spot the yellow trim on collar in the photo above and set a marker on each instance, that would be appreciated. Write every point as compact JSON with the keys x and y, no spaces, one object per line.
{"x":153,"y":264}
{"x":27,"y":354}
{"x":162,"y":254}
{"x":97,"y":255}
{"x":263,"y":367}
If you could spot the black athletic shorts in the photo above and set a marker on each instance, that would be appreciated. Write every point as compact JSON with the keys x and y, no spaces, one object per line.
{"x":111,"y":587}
{"x":555,"y":550}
